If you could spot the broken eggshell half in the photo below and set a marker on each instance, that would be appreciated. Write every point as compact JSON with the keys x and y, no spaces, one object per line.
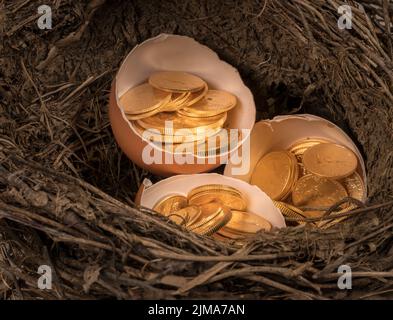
{"x":258,"y":202}
{"x":281,"y":133}
{"x":176,"y":53}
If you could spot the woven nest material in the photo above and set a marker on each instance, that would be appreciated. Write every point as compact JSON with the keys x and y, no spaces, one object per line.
{"x":66,"y":189}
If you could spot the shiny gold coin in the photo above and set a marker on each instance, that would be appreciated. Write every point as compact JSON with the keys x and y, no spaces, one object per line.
{"x":185,"y":216}
{"x":226,"y":195}
{"x":176,"y":102}
{"x":155,"y":136}
{"x":330,"y":160}
{"x":314,"y":191}
{"x":274,"y":174}
{"x":174,"y":124}
{"x":212,"y":143}
{"x":209,"y":211}
{"x":231,"y":235}
{"x":214,"y":217}
{"x":221,"y":142}
{"x":170,"y":204}
{"x":356,"y":189}
{"x":213,"y":103}
{"x":194,"y":97}
{"x":176,"y":81}
{"x":355,"y":186}
{"x":299,"y":147}
{"x":289,"y":211}
{"x":231,"y":199}
{"x":182,"y":100}
{"x":247,"y":222}
{"x":213,"y":187}
{"x":143,"y":99}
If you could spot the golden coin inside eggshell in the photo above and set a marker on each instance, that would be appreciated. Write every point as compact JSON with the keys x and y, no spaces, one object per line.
{"x":247,"y":222}
{"x":274,"y":172}
{"x":185,"y":216}
{"x":143,"y":99}
{"x":355,"y":186}
{"x":165,"y":121}
{"x":299,"y":147}
{"x":176,"y":81}
{"x":314,"y":191}
{"x":213,"y":103}
{"x":194,"y":97}
{"x":330,"y":160}
{"x":214,"y":216}
{"x":170,"y":204}
{"x":225,"y":195}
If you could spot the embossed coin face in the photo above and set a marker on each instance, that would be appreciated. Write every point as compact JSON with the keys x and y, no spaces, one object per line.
{"x":247,"y":222}
{"x":176,"y":81}
{"x":212,"y":104}
{"x":355,"y":186}
{"x":143,"y":99}
{"x":274,"y":174}
{"x":314,"y":191}
{"x":186,"y":216}
{"x":225,"y":195}
{"x":330,"y":160}
{"x":170,"y":204}
{"x":299,"y":147}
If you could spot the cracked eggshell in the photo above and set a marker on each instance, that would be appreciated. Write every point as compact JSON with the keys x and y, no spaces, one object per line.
{"x":177,"y":53}
{"x":282,"y":132}
{"x":258,"y":202}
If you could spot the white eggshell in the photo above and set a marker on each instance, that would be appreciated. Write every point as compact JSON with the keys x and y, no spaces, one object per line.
{"x":258,"y":202}
{"x":181,"y":53}
{"x":283,"y":131}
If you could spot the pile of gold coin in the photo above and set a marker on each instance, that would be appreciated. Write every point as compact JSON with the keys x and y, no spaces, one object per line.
{"x":175,"y":107}
{"x":308,"y":178}
{"x":213,"y":210}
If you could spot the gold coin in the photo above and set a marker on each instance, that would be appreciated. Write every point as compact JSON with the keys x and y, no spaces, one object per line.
{"x":185,"y":216}
{"x":182,"y":100}
{"x":177,"y":101}
{"x":143,"y":99}
{"x":314,"y":191}
{"x":172,"y":123}
{"x":289,"y":211}
{"x":194,"y":97}
{"x":170,"y":204}
{"x":212,"y":187}
{"x":275,"y":174}
{"x":221,"y":142}
{"x":330,"y":160}
{"x":212,"y":104}
{"x":231,"y":199}
{"x":355,"y":186}
{"x":247,"y":222}
{"x":299,"y":147}
{"x":231,"y":235}
{"x":155,"y":136}
{"x":176,"y":81}
{"x":209,"y":211}
{"x":224,"y":194}
{"x":214,"y":216}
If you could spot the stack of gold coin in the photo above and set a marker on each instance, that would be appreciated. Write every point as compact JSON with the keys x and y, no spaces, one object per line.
{"x":175,"y":107}
{"x":308,"y":178}
{"x":213,"y":210}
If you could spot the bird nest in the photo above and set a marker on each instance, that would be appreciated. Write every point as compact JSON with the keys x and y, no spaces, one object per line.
{"x":66,"y":190}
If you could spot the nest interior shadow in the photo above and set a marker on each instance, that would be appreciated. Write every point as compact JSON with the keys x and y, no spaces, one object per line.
{"x":66,"y":189}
